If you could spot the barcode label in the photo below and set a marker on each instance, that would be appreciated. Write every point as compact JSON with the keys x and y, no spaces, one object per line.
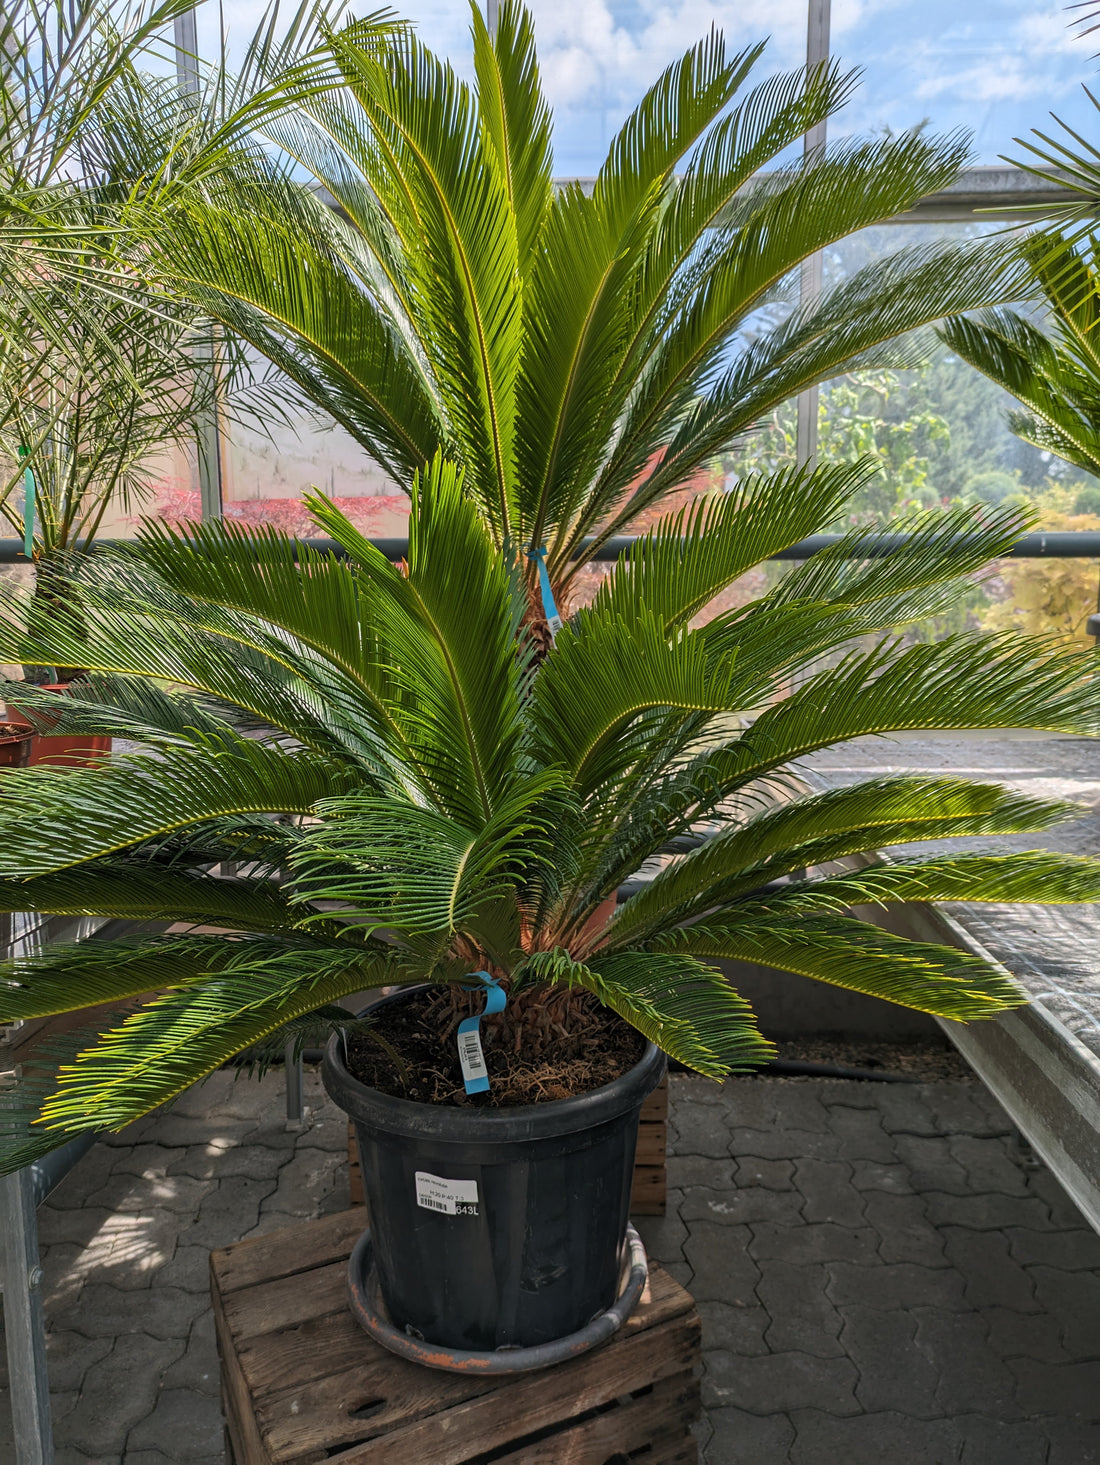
{"x":449,"y":1197}
{"x":470,"y":1055}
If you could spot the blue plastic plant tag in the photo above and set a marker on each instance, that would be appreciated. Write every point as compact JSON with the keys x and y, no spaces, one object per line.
{"x":474,"y":1073}
{"x":549,"y":605}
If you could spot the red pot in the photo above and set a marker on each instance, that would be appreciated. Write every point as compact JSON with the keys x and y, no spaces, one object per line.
{"x":15,"y":744}
{"x":78,"y":750}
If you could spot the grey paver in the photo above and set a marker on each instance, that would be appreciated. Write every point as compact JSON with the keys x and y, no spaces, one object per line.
{"x":894,"y":1372}
{"x":736,"y":1330}
{"x":1074,"y":1298}
{"x":869,"y":1175}
{"x":896,"y":1285}
{"x":822,"y":1242}
{"x":771,"y":1174}
{"x":722,"y":1269}
{"x":1069,"y":1389}
{"x":1002,"y":1442}
{"x":737,"y":1206}
{"x":828,"y":1193}
{"x":905,"y":1233}
{"x":931,"y":1164}
{"x":874,"y":1439}
{"x":968,"y":1366}
{"x":192,"y":1420}
{"x":879,"y":1277}
{"x":741,"y":1438}
{"x":685,"y":1170}
{"x":1069,"y":1251}
{"x":778,"y":1382}
{"x":993,"y":1278}
{"x":802,"y":1319}
{"x":118,"y":1391}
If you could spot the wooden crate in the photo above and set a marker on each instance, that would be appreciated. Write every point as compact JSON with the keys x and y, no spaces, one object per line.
{"x":302,"y":1383}
{"x":647,"y":1196}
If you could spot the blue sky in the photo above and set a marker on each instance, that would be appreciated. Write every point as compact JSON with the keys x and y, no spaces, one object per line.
{"x":995,"y":67}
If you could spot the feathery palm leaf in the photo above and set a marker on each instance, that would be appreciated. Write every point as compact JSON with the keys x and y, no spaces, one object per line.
{"x":582,"y":354}
{"x":406,"y":794}
{"x":1055,"y":376}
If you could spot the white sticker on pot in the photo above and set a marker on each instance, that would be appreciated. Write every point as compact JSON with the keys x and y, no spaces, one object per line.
{"x":451,"y":1197}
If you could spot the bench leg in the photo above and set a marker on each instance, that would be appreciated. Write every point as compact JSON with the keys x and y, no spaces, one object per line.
{"x":24,"y":1325}
{"x":296,"y":1117}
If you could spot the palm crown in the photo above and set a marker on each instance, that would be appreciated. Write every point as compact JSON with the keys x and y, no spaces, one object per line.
{"x":352,"y":775}
{"x":580,"y":353}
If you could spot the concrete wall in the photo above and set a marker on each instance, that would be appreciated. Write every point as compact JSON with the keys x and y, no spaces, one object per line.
{"x":790,"y":1006}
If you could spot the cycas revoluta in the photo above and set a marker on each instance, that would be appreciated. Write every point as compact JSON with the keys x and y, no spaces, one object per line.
{"x":580,"y":354}
{"x":426,"y":796}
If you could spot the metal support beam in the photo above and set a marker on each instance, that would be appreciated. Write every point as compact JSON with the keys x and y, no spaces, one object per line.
{"x":810,"y":285}
{"x":492,"y":16}
{"x":24,"y":1325}
{"x":208,"y":438}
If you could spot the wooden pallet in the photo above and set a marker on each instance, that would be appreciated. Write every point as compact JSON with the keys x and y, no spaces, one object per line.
{"x":302,"y":1383}
{"x":648,"y":1193}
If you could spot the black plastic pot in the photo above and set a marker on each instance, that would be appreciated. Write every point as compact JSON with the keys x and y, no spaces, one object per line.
{"x":535,"y":1201}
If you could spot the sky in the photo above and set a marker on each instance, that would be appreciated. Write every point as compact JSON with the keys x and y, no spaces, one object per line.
{"x":995,"y":67}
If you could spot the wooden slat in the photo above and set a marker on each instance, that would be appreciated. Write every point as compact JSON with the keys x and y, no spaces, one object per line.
{"x":333,"y":1354}
{"x":659,"y":1419}
{"x":289,"y":1301}
{"x":285,"y":1253}
{"x":301,"y":1381}
{"x":535,"y":1401}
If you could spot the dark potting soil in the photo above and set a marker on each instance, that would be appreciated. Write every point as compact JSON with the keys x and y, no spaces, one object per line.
{"x":535,"y":1051}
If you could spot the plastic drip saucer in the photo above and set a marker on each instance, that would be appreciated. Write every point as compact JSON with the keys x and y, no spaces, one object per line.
{"x":368,"y":1310}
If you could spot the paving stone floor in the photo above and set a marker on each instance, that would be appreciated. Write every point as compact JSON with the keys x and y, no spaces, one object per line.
{"x":883,"y":1274}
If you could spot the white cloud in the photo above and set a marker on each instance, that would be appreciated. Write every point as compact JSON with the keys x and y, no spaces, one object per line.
{"x":590,"y":58}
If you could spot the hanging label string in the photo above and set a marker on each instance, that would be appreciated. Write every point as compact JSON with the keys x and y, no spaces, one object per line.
{"x":28,"y":506}
{"x":474,"y":1073}
{"x":549,"y":606}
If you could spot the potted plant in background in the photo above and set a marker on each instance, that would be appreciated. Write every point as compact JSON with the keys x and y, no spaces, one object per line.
{"x":460,"y":805}
{"x":102,"y":371}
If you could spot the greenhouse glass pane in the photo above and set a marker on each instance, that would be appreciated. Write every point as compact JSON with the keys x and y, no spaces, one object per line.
{"x":939,"y":433}
{"x":994,"y":67}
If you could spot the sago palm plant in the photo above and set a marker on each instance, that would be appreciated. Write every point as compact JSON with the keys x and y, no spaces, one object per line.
{"x":1052,"y":368}
{"x":351,"y":774}
{"x":581,"y":353}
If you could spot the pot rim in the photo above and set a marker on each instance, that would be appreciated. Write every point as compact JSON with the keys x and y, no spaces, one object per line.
{"x":392,"y":1115}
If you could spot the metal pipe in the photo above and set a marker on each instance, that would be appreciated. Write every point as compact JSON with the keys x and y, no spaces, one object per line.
{"x":1061,"y":544}
{"x":811,"y":283}
{"x":51,"y":1169}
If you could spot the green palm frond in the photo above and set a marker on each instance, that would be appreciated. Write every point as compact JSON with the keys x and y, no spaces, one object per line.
{"x":818,"y":829}
{"x":1054,"y":373}
{"x":938,"y":979}
{"x":129,"y":890}
{"x":581,"y":354}
{"x":678,"y":568}
{"x":404,"y":791}
{"x":1026,"y":875}
{"x":172,"y":1041}
{"x":416,"y":871}
{"x":683,"y":1005}
{"x":52,"y":818}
